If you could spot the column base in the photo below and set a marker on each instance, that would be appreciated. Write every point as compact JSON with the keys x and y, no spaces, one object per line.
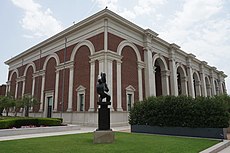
{"x":91,"y":110}
{"x":69,"y":110}
{"x":119,"y":110}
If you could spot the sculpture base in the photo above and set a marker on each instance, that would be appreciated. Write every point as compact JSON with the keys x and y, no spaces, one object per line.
{"x":104,"y":116}
{"x":103,"y":136}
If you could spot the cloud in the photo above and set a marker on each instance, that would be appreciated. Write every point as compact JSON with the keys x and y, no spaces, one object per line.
{"x":111,"y":4}
{"x":37,"y":21}
{"x":202,"y":28}
{"x":142,"y":7}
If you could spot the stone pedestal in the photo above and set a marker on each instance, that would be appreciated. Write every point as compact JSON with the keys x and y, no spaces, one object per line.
{"x":103,"y":136}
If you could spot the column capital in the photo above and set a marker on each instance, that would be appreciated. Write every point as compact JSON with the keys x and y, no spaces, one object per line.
{"x":22,"y":78}
{"x":140,"y":65}
{"x":165,"y":73}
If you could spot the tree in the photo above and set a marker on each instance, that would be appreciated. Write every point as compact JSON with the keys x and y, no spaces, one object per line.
{"x":7,"y":102}
{"x":26,"y":102}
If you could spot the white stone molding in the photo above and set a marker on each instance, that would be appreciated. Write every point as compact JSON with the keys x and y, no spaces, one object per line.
{"x":56,"y":91}
{"x":42,"y":93}
{"x":80,"y":44}
{"x":16,"y":90}
{"x":27,"y":66}
{"x":55,"y":56}
{"x":80,"y":90}
{"x":140,"y":66}
{"x":110,"y":82}
{"x":208,"y":86}
{"x":119,"y":94}
{"x":70,"y":97}
{"x":127,"y":43}
{"x":149,"y":75}
{"x":130,"y":90}
{"x":14,"y":71}
{"x":165,"y":73}
{"x":165,"y":82}
{"x":92,"y":86}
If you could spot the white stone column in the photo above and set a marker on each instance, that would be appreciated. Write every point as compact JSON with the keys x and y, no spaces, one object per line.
{"x":23,"y":86}
{"x":56,"y":90}
{"x":119,"y":95}
{"x":198,"y":88}
{"x":149,"y":75}
{"x":165,"y":82}
{"x":101,"y":66}
{"x":8,"y":87}
{"x":92,"y":85}
{"x":173,"y":70}
{"x":33,"y":85}
{"x":190,"y":82}
{"x":203,"y":85}
{"x":173,"y":77}
{"x":154,"y":81}
{"x":213,"y":87}
{"x":110,"y":81}
{"x":16,"y":89}
{"x":184,"y":87}
{"x":208,"y":86}
{"x":42,"y":93}
{"x":70,"y":98}
{"x":140,"y":85}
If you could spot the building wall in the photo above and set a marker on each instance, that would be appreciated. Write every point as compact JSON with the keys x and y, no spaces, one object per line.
{"x":129,"y":59}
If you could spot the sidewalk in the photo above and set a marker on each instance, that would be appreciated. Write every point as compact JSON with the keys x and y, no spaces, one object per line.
{"x":83,"y":129}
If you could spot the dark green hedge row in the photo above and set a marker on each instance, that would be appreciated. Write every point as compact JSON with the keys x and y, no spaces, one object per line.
{"x":18,"y":122}
{"x":182,"y":111}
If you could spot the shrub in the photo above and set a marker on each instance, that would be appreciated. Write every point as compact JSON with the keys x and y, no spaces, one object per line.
{"x":18,"y":122}
{"x":182,"y":111}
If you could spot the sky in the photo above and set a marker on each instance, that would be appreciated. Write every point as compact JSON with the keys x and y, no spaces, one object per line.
{"x":200,"y":27}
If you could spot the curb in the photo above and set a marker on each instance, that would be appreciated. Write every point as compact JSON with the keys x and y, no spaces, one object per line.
{"x":36,"y":130}
{"x":218,"y":147}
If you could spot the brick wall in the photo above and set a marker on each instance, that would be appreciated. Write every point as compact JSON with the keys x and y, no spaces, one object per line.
{"x":129,"y":74}
{"x":81,"y":75}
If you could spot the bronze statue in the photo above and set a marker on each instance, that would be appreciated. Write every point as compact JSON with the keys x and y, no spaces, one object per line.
{"x":102,"y":88}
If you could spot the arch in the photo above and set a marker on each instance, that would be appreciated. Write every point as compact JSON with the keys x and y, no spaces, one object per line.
{"x":83,"y":43}
{"x":55,"y":56}
{"x":27,"y":66}
{"x":162,"y":63}
{"x":161,"y":75}
{"x":181,"y":80}
{"x":208,"y":86}
{"x":196,"y":83}
{"x":216,"y":87}
{"x":14,"y":71}
{"x":127,"y":43}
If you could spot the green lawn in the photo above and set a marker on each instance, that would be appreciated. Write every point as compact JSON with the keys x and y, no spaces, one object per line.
{"x":124,"y":143}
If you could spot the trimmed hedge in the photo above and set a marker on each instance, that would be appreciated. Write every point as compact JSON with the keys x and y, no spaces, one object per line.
{"x":18,"y":122}
{"x":182,"y":111}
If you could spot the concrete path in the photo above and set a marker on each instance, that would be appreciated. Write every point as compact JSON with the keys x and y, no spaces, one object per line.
{"x":82,"y":130}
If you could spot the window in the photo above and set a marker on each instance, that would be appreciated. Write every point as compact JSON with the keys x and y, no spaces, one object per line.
{"x":130,"y":97}
{"x":81,"y":98}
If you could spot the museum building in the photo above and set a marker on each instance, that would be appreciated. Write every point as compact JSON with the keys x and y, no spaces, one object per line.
{"x":62,"y":71}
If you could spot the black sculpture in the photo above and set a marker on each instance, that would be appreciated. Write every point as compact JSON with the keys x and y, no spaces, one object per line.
{"x":103,"y":111}
{"x":102,"y":88}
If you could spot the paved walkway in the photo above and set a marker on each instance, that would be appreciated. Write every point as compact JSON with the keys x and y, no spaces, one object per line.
{"x":82,"y":130}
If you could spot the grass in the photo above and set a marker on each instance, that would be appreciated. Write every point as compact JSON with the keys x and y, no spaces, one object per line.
{"x":124,"y":143}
